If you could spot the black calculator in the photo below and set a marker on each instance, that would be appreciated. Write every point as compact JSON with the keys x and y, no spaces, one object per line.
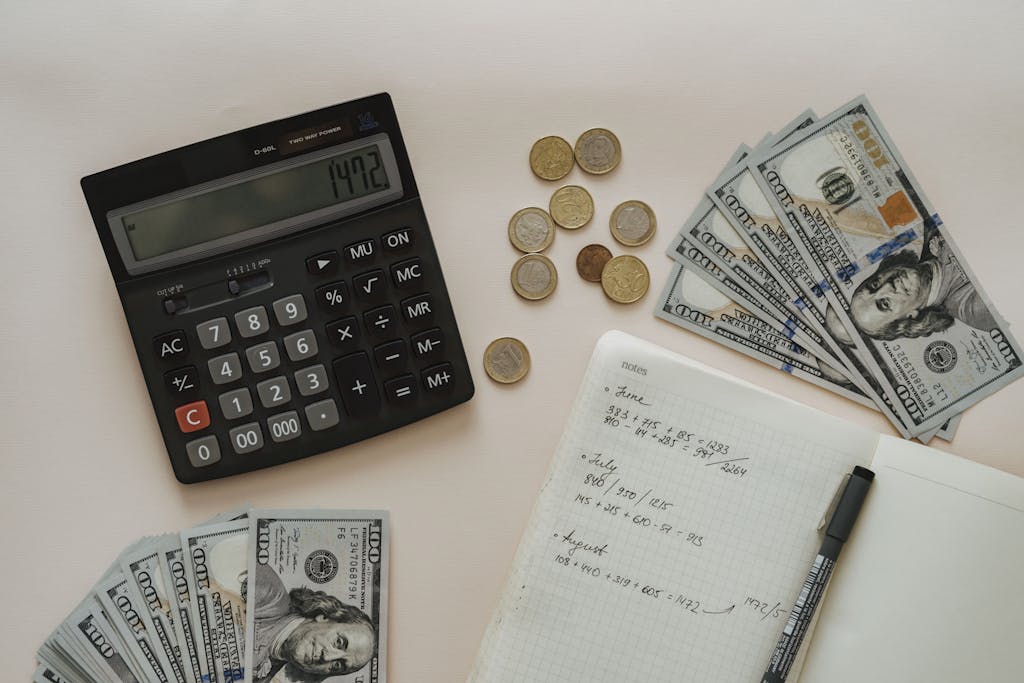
{"x":282,"y":289}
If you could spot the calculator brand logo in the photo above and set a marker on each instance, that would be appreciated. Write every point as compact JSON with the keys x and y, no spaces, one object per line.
{"x":321,"y":566}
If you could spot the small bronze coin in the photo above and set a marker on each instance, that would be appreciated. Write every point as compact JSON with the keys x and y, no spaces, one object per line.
{"x":506,"y":360}
{"x":551,"y":158}
{"x":590,"y":261}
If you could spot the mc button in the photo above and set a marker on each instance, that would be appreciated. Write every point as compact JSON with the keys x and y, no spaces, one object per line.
{"x":407,"y":273}
{"x":171,"y":345}
{"x":192,"y":416}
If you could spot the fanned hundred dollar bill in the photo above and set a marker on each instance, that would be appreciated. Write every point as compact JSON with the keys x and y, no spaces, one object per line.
{"x":897,"y":288}
{"x":317,"y":596}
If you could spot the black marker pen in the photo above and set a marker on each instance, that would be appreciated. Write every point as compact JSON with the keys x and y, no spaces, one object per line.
{"x":821,"y":571}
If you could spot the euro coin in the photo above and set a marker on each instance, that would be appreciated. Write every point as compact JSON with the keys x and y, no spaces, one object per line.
{"x":590,"y":261}
{"x":598,"y":151}
{"x":571,"y":207}
{"x":551,"y":158}
{"x":633,"y":223}
{"x":531,"y":230}
{"x":506,"y":360}
{"x":534,"y":277}
{"x":625,"y":279}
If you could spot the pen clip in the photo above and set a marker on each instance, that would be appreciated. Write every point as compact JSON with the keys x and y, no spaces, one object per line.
{"x":827,"y":515}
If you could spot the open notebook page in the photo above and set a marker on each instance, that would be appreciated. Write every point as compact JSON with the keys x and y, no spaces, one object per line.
{"x":929,"y":587}
{"x":674,"y":530}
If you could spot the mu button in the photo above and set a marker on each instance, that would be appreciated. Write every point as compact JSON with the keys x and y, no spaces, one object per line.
{"x":192,"y":416}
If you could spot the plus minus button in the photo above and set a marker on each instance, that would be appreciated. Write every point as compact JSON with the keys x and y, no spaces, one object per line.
{"x":358,"y":387}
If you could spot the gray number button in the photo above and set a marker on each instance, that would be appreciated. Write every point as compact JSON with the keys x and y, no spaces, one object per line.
{"x":235,"y":404}
{"x":301,"y":345}
{"x":203,"y":452}
{"x":213,"y":333}
{"x":274,"y":392}
{"x":284,"y":427}
{"x":252,"y":322}
{"x":311,"y":380}
{"x":225,"y":369}
{"x":247,"y":438}
{"x":263,"y":357}
{"x":322,"y":415}
{"x":290,"y":310}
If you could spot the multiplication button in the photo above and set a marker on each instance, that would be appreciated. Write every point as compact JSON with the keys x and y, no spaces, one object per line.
{"x":322,"y":415}
{"x":343,"y":333}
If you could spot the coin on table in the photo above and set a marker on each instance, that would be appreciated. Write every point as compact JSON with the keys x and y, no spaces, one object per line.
{"x":506,"y":360}
{"x":531,"y":230}
{"x":633,"y":223}
{"x":625,"y":279}
{"x":551,"y":158}
{"x":598,"y":151}
{"x":571,"y":206}
{"x":534,"y":277}
{"x":590,"y":261}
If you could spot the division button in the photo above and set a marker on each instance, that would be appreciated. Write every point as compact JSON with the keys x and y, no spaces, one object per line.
{"x":322,"y":415}
{"x":171,"y":345}
{"x":381,"y":321}
{"x":182,"y":380}
{"x":203,"y":452}
{"x":369,"y":286}
{"x":418,"y":309}
{"x":213,"y":333}
{"x":357,"y":385}
{"x":401,"y":389}
{"x":323,"y":263}
{"x":192,"y":416}
{"x":225,"y":369}
{"x":332,"y":297}
{"x":438,"y":378}
{"x":343,"y":333}
{"x":407,"y":274}
{"x":247,"y":438}
{"x":284,"y":427}
{"x":429,"y":344}
{"x":312,"y":380}
{"x":290,"y":310}
{"x":398,"y":239}
{"x":236,"y":403}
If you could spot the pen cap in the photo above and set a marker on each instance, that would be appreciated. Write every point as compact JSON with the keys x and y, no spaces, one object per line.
{"x":850,"y":503}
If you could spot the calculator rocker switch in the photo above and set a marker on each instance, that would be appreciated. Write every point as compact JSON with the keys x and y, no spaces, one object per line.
{"x":291,"y":334}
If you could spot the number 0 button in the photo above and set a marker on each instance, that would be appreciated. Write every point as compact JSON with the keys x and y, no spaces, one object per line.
{"x":247,"y":438}
{"x":203,"y":452}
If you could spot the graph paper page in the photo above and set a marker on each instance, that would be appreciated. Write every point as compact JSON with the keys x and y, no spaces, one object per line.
{"x":675,"y":528}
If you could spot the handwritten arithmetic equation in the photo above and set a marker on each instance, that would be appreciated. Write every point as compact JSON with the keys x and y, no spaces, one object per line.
{"x":625,"y":413}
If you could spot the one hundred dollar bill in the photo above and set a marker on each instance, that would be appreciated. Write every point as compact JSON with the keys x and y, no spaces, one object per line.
{"x":317,"y":596}
{"x":897,"y":288}
{"x":129,"y":616}
{"x":106,"y":648}
{"x":216,"y":558}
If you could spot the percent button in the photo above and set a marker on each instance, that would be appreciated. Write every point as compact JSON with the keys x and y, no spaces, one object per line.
{"x":333,"y":296}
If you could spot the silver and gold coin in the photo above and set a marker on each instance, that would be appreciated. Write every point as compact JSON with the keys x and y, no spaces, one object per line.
{"x":625,"y":279}
{"x":534,"y":277}
{"x":591,"y":260}
{"x":571,"y":206}
{"x":531,"y":230}
{"x":551,"y":158}
{"x":506,"y":360}
{"x":598,"y":151}
{"x":633,"y":223}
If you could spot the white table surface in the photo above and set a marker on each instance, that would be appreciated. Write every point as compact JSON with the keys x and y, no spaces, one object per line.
{"x":88,"y":86}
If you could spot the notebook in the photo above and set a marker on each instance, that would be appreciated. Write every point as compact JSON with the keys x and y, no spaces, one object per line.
{"x":681,"y":513}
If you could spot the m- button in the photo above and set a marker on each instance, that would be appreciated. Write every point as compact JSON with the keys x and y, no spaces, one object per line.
{"x":192,"y":416}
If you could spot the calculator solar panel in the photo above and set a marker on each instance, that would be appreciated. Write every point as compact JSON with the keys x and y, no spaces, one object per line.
{"x":282,"y":289}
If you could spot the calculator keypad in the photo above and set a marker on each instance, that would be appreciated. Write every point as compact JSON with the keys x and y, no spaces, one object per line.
{"x":290,"y":310}
{"x":214,"y":333}
{"x":301,"y":345}
{"x":274,"y":392}
{"x":236,"y":403}
{"x":247,"y":438}
{"x":263,"y":357}
{"x":225,"y":369}
{"x":252,"y":322}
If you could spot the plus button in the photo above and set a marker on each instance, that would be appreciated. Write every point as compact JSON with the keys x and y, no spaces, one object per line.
{"x":358,"y":386}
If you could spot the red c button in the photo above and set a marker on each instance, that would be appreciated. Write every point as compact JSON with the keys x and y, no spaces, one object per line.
{"x":192,"y":416}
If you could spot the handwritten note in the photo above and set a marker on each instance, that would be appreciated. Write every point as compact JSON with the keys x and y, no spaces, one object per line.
{"x":673,"y":532}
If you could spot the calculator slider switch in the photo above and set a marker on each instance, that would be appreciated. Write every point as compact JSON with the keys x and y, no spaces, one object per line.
{"x":175,"y":304}
{"x":248,"y":283}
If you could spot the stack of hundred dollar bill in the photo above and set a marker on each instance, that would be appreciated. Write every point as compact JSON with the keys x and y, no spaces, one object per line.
{"x":255,"y":596}
{"x":818,"y":253}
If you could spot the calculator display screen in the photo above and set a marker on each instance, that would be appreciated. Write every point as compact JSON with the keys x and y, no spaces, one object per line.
{"x":259,"y":205}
